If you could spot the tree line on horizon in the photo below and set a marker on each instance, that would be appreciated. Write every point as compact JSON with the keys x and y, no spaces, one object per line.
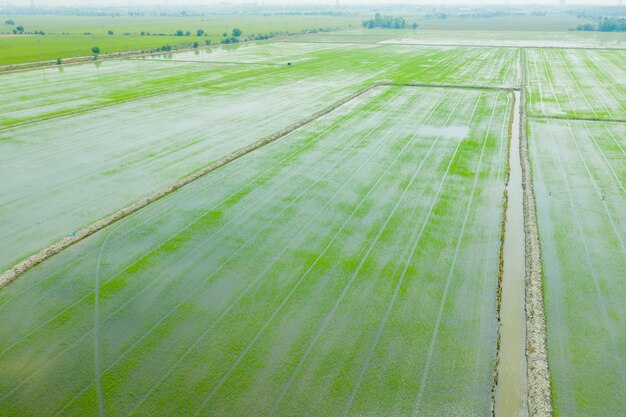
{"x":387,"y":22}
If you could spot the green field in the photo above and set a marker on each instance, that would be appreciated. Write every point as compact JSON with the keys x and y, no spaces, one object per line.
{"x":74,"y":42}
{"x":485,"y":36}
{"x":351,"y":266}
{"x":579,"y":172}
{"x":190,"y":113}
{"x":256,"y":283}
{"x":579,"y":185}
{"x":576,"y":83}
{"x":65,"y":35}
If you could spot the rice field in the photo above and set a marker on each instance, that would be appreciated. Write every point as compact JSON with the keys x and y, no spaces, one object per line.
{"x":579,"y":186}
{"x":353,"y":266}
{"x":32,"y":95}
{"x":480,"y":32}
{"x":70,"y":36}
{"x":578,"y":83}
{"x":300,"y":279}
{"x":576,"y":140}
{"x":170,"y":119}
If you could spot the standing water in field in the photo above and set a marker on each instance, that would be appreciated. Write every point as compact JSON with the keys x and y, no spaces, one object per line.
{"x":510,"y":395}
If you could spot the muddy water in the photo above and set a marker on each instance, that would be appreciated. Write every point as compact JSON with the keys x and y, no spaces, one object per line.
{"x":510,"y":395}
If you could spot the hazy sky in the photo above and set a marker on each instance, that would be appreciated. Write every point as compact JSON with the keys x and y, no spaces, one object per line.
{"x":294,"y":2}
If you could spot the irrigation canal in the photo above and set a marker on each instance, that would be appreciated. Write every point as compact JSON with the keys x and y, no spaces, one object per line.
{"x":511,"y":392}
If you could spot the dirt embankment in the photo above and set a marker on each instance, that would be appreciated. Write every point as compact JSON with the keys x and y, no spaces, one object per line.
{"x":46,"y":253}
{"x":539,"y":392}
{"x":76,"y":60}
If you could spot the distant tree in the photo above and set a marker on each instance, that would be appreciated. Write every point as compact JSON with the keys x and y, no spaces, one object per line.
{"x":9,"y":22}
{"x":179,"y":32}
{"x":166,"y":48}
{"x":612,"y":25}
{"x":20,"y":29}
{"x":187,"y":33}
{"x":59,"y":61}
{"x":224,"y":34}
{"x":236,"y":32}
{"x":195,"y":45}
{"x":95,"y":50}
{"x":200,"y":32}
{"x":385,"y":22}
{"x":587,"y":28}
{"x":414,"y":25}
{"x":109,"y":32}
{"x":232,"y":39}
{"x":143,"y":33}
{"x":207,"y":42}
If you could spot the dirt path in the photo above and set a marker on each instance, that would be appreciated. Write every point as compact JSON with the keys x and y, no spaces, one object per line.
{"x":539,"y":391}
{"x":458,"y":86}
{"x":579,"y":119}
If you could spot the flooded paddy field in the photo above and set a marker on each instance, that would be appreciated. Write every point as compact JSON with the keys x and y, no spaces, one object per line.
{"x":576,"y":83}
{"x":327,"y":272}
{"x":136,"y":126}
{"x":579,"y":173}
{"x":370,"y":259}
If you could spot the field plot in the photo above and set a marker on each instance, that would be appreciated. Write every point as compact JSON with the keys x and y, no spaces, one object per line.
{"x":576,"y":83}
{"x":327,"y":273}
{"x":497,"y":67}
{"x":33,"y":95}
{"x":579,"y":173}
{"x":88,"y":166}
{"x":493,"y":67}
{"x":127,"y":31}
{"x":477,"y":36}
